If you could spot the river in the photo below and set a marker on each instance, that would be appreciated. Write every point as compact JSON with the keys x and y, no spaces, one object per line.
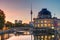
{"x":21,"y":37}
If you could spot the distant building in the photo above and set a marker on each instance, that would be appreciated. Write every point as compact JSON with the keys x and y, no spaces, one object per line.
{"x":43,"y":23}
{"x":45,"y":19}
{"x":58,"y":28}
{"x":18,"y":21}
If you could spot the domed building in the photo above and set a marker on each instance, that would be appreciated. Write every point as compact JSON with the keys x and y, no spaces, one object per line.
{"x":44,"y":19}
{"x":44,"y":13}
{"x":45,"y":26}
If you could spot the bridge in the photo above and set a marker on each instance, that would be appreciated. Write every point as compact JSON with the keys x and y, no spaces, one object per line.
{"x":16,"y":31}
{"x":23,"y":30}
{"x":26,"y":31}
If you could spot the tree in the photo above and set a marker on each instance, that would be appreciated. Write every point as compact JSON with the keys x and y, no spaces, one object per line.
{"x":18,"y":25}
{"x":9,"y":24}
{"x":2,"y":19}
{"x":2,"y":22}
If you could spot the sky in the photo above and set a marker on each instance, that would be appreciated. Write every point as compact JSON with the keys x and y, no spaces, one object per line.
{"x":20,"y":9}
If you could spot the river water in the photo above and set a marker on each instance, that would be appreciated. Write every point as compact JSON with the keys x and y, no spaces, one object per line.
{"x":21,"y":37}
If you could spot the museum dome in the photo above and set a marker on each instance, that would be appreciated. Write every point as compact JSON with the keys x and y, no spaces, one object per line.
{"x":44,"y":13}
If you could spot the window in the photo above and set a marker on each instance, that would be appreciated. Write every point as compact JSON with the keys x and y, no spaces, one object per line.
{"x":58,"y":24}
{"x":41,"y":39}
{"x":52,"y":25}
{"x":42,"y":36}
{"x":52,"y":36}
{"x":45,"y":21}
{"x":45,"y":39}
{"x":41,"y":25}
{"x":38,"y":25}
{"x":49,"y":25}
{"x":49,"y":37}
{"x":45,"y":36}
{"x":41,"y":21}
{"x":45,"y":25}
{"x":38,"y":37}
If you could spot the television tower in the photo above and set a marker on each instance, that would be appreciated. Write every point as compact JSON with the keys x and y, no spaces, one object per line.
{"x":31,"y":17}
{"x":31,"y":12}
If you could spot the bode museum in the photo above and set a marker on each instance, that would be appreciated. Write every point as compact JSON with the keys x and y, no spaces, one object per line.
{"x":46,"y":27}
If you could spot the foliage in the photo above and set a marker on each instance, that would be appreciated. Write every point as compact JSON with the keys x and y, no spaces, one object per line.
{"x":9,"y":24}
{"x":2,"y":19}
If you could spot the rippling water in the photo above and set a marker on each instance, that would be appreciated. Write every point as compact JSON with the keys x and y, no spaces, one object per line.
{"x":21,"y":37}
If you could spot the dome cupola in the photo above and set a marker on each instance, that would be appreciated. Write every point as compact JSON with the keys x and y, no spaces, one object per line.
{"x":44,"y":13}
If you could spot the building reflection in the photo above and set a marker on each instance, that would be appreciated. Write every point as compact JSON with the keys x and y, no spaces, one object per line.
{"x":43,"y":34}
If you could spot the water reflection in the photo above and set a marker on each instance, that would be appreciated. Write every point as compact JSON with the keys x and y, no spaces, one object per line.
{"x":21,"y":37}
